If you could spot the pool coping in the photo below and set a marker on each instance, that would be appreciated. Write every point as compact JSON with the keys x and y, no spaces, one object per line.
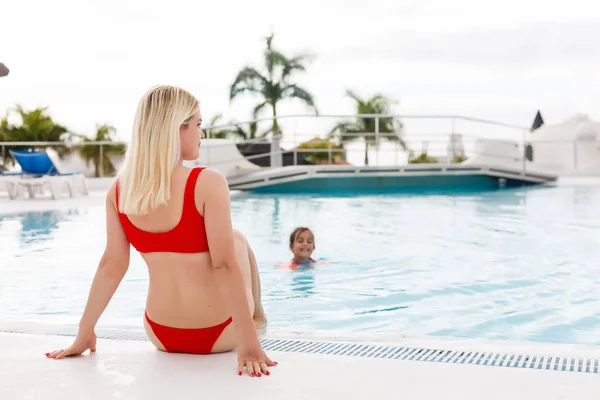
{"x":97,"y":195}
{"x":477,"y":352}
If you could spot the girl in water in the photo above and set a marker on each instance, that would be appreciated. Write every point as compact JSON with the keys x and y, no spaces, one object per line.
{"x":302,"y":245}
{"x":204,"y":288}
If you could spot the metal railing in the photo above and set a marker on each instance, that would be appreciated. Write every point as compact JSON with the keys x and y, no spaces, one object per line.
{"x":435,"y":150}
{"x":438,"y":138}
{"x":293,"y":125}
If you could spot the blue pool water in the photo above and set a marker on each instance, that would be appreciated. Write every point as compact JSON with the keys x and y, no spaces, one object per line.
{"x":519,"y":263}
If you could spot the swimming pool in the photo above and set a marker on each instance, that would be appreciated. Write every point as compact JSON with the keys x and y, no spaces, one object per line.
{"x":517,"y":264}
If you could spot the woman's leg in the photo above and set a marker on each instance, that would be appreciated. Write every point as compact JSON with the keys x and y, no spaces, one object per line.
{"x":260,"y":320}
{"x":247,"y":262}
{"x":240,"y":248}
{"x":249,"y":269}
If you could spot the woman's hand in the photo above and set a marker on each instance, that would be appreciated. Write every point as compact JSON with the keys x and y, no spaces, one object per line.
{"x":254,"y":359}
{"x":81,"y":344}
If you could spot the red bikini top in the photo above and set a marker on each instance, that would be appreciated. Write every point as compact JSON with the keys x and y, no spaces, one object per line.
{"x":188,"y":236}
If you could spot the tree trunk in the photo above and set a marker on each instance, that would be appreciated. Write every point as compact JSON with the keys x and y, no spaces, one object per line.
{"x":366,"y":153}
{"x":275,"y":124}
{"x":96,"y":165}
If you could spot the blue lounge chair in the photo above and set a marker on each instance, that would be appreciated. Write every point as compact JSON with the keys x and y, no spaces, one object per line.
{"x":41,"y":170}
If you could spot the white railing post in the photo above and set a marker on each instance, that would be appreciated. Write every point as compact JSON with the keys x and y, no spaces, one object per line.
{"x":377,"y":141}
{"x":276,"y":156}
{"x":452,"y":140}
{"x":575,"y":154}
{"x":524,"y":162}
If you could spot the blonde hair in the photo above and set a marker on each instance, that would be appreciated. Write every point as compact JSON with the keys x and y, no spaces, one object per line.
{"x":155,"y":149}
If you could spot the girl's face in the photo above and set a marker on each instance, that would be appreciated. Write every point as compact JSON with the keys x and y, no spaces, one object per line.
{"x":303,"y":245}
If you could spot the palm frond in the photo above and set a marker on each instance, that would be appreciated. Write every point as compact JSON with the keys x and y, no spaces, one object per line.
{"x":247,"y":80}
{"x":295,"y":92}
{"x":350,"y":93}
{"x":215,"y":119}
{"x":346,"y":127}
{"x":256,"y":111}
{"x":274,"y":59}
{"x":294,"y":64}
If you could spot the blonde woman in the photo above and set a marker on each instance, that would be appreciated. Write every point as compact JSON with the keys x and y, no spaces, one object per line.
{"x":202,"y":273}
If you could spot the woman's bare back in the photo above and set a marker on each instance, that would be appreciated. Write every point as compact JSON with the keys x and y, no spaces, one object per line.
{"x":181,"y":292}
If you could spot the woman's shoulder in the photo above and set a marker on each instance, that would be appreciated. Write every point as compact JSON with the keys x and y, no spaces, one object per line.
{"x":213,"y":179}
{"x":113,"y":189}
{"x":209,"y":176}
{"x":207,"y":172}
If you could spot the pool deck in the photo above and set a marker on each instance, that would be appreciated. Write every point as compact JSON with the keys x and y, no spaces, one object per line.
{"x":125,"y":369}
{"x":311,"y":366}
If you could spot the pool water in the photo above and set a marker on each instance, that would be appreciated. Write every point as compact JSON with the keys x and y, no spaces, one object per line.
{"x":518,"y":263}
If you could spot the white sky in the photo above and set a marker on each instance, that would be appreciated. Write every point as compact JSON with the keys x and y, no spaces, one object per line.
{"x":90,"y":61}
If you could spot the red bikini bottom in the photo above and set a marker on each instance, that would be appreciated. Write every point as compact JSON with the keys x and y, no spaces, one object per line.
{"x":188,"y":340}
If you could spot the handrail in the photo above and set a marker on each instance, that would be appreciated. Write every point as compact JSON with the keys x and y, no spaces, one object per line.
{"x":416,"y":138}
{"x":66,"y":144}
{"x":441,"y":140}
{"x":395,"y":116}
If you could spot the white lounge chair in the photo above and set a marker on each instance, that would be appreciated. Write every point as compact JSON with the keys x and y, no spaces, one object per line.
{"x":40,"y":171}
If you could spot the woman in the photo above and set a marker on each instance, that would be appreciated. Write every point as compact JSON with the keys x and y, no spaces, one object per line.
{"x":173,"y":215}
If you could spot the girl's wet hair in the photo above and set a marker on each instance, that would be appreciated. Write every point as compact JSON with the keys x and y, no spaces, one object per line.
{"x":298,"y":231}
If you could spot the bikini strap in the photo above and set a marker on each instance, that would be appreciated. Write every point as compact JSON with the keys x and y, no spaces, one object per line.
{"x":189,"y":198}
{"x":188,"y":195}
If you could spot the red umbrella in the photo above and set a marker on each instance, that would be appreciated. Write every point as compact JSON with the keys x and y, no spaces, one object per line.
{"x":3,"y":70}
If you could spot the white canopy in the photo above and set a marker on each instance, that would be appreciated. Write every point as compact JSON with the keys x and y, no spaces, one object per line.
{"x":578,"y":127}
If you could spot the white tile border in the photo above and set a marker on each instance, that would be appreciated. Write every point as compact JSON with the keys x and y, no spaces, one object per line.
{"x":557,"y":357}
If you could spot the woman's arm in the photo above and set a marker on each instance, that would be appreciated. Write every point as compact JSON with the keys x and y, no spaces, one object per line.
{"x":111,"y":270}
{"x":217,"y":221}
{"x":219,"y":231}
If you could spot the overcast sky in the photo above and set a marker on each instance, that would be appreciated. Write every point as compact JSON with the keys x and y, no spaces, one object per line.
{"x":90,"y":61}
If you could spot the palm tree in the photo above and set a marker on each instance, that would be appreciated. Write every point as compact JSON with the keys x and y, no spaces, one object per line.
{"x":224,"y":131}
{"x":273,"y":84}
{"x":251,"y":133}
{"x":35,"y":126}
{"x":377,"y":104}
{"x":93,"y":153}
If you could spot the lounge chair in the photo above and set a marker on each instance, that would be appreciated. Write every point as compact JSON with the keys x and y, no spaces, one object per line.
{"x":10,"y":179}
{"x":39,"y":170}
